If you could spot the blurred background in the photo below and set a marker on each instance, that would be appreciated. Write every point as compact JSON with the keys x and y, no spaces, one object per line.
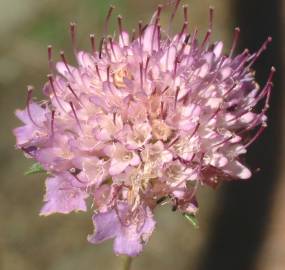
{"x":241,"y":224}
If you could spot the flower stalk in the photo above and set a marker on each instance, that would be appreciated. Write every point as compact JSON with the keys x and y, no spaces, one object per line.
{"x":126,"y":262}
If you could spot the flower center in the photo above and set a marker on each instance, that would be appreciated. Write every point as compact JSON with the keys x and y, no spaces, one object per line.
{"x":119,"y":77}
{"x":160,"y":130}
{"x":127,"y":156}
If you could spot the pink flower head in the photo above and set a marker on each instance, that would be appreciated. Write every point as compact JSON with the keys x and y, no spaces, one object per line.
{"x":141,"y":120}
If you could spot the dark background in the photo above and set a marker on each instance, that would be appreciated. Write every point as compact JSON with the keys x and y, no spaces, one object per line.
{"x":245,"y":209}
{"x":241,"y":224}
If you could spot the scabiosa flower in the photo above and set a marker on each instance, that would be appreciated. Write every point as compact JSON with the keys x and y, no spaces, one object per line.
{"x":140,"y":121}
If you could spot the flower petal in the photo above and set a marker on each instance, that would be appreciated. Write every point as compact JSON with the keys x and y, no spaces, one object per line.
{"x":62,"y":196}
{"x":107,"y":226}
{"x":133,"y":238}
{"x":117,"y":166}
{"x":236,"y":169}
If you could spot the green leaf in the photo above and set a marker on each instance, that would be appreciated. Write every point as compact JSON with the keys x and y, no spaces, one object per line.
{"x":34,"y":169}
{"x":192,"y":219}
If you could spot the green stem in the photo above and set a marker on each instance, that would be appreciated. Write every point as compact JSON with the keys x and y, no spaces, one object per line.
{"x":127,"y":262}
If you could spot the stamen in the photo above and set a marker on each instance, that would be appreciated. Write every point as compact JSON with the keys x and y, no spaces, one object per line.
{"x":266,"y":88}
{"x":114,"y":118}
{"x":272,"y":72}
{"x":195,"y":130}
{"x":108,"y":75}
{"x":77,"y":178}
{"x":106,"y":23}
{"x":256,"y":136}
{"x":211,"y":17}
{"x":101,"y":47}
{"x":260,"y":51}
{"x":141,"y":75}
{"x":192,"y":158}
{"x":215,"y":114}
{"x":266,"y":106}
{"x":112,"y":46}
{"x":72,"y":29}
{"x":264,"y":46}
{"x":180,"y":54}
{"x":222,"y":142}
{"x":165,"y":89}
{"x":192,"y":45}
{"x":72,"y":91}
{"x":206,"y":39}
{"x":161,"y":109}
{"x":75,"y":115}
{"x":146,"y":66}
{"x":50,"y":62}
{"x":154,"y":92}
{"x":156,"y":16}
{"x":186,"y":40}
{"x":52,"y":122}
{"x":176,"y":62}
{"x":133,"y":35}
{"x":192,"y":42}
{"x":158,"y":12}
{"x":65,"y":62}
{"x":222,"y":60}
{"x":50,"y":77}
{"x":244,"y":58}
{"x":229,"y":91}
{"x":158,"y":36}
{"x":185,"y":12}
{"x":176,"y":96}
{"x":173,"y":141}
{"x":29,"y":98}
{"x":177,"y":3}
{"x":140,"y":32}
{"x":184,"y":27}
{"x":264,"y":110}
{"x":98,"y":72}
{"x":262,"y":94}
{"x":107,"y":49}
{"x":235,"y":41}
{"x":120,"y":25}
{"x":93,"y":44}
{"x":238,"y":116}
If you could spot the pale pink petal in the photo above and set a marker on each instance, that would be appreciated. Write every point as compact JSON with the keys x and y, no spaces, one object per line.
{"x":150,"y":39}
{"x":117,"y":166}
{"x":218,"y":49}
{"x":62,"y":196}
{"x":237,"y":170}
